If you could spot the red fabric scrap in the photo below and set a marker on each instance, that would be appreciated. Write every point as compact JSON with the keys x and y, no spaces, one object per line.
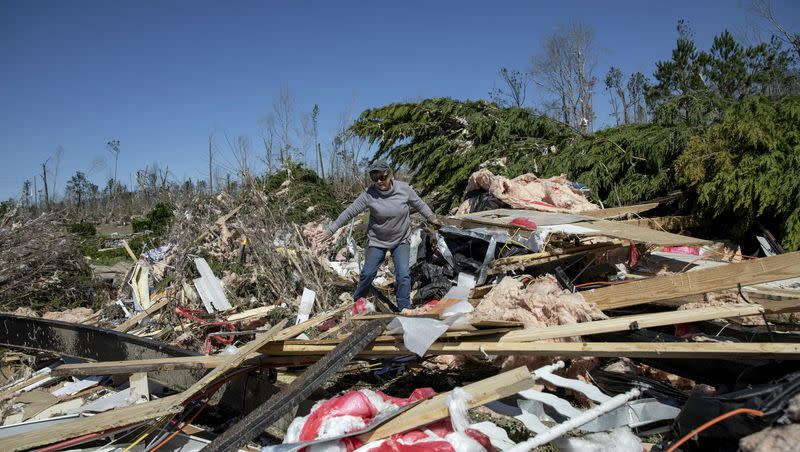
{"x":359,"y":306}
{"x":691,"y":250}
{"x":523,"y":222}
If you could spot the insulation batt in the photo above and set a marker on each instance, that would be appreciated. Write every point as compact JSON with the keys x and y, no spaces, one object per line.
{"x":437,"y":437}
{"x":537,"y":304}
{"x":348,"y":412}
{"x":529,"y":192}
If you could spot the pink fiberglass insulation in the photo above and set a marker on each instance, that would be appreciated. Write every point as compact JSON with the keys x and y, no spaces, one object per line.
{"x":527,"y":191}
{"x":539,"y":303}
{"x":535,"y":303}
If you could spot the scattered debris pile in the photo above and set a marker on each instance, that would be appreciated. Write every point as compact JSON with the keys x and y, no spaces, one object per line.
{"x":537,"y":319}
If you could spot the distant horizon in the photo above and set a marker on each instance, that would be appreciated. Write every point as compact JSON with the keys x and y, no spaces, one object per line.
{"x":161,"y":76}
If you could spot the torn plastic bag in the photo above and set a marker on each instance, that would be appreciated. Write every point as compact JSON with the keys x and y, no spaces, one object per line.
{"x":418,"y":332}
{"x":769,"y":398}
{"x":618,"y":440}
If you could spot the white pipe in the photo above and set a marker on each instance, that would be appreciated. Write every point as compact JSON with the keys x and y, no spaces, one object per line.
{"x":537,"y":374}
{"x":573,"y":423}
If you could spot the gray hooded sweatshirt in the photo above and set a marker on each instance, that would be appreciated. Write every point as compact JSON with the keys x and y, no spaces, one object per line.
{"x":389,"y":215}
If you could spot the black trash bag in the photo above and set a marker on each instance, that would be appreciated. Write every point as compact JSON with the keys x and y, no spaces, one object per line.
{"x":481,"y":200}
{"x":431,"y":282}
{"x":771,"y":398}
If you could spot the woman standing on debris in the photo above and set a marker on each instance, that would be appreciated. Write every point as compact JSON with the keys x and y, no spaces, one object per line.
{"x":389,"y":228}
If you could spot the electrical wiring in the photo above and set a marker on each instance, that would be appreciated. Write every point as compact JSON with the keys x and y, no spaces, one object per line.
{"x":717,"y":419}
{"x":207,"y":393}
{"x":84,"y":438}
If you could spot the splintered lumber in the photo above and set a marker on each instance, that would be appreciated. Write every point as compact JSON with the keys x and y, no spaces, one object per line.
{"x":614,"y":212}
{"x":135,"y":413}
{"x":129,"y":250}
{"x":255,"y":312}
{"x":161,"y":364}
{"x":139,"y":389}
{"x":633,"y":322}
{"x":534,"y":258}
{"x":587,"y":225}
{"x":493,"y":388}
{"x":754,"y":271}
{"x":125,"y":326}
{"x":567,"y":349}
{"x":103,"y":421}
{"x":187,"y":362}
{"x":627,"y":231}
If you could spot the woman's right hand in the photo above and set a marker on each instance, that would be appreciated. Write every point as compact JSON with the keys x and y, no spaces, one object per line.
{"x":320,"y":236}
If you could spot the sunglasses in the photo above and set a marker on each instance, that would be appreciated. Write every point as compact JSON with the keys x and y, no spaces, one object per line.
{"x":379,"y":177}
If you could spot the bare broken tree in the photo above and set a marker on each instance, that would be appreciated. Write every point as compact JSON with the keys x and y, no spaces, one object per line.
{"x":565,"y":67}
{"x":283,"y":109}
{"x":514,"y":88}
{"x":763,"y":9}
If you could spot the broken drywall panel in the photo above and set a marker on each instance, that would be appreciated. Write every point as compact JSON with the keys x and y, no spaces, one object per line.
{"x":210,"y":287}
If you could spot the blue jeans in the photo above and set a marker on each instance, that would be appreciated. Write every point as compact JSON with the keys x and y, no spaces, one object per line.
{"x":372,"y":260}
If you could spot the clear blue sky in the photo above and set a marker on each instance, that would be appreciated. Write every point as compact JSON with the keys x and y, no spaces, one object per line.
{"x":161,"y":75}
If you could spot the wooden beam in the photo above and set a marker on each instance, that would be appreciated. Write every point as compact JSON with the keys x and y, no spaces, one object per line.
{"x":161,"y":364}
{"x":102,"y":421}
{"x":129,"y":250}
{"x":493,"y":388}
{"x":638,"y":234}
{"x":139,"y":389}
{"x":533,"y":258}
{"x":619,"y":211}
{"x":633,"y":322}
{"x":125,"y":326}
{"x":754,"y":271}
{"x":569,"y":349}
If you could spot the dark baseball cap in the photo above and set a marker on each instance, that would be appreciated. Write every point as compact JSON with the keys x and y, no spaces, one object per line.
{"x":379,"y":165}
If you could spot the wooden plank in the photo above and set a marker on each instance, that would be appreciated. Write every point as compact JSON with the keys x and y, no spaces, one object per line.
{"x":633,"y":322}
{"x":490,"y":389}
{"x":139,"y":390}
{"x":125,"y":326}
{"x":159,"y":364}
{"x":502,"y":217}
{"x":103,"y":421}
{"x":569,"y":349}
{"x":494,"y":270}
{"x":627,"y":231}
{"x":696,"y":282}
{"x":129,"y":250}
{"x":533,"y":258}
{"x":619,"y":211}
{"x":255,"y":312}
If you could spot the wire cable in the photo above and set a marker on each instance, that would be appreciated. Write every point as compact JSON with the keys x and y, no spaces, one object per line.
{"x":717,"y":419}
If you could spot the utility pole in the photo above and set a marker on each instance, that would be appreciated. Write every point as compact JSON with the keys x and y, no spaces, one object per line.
{"x":44,"y":180}
{"x":210,"y":179}
{"x":35,"y":194}
{"x":113,"y":147}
